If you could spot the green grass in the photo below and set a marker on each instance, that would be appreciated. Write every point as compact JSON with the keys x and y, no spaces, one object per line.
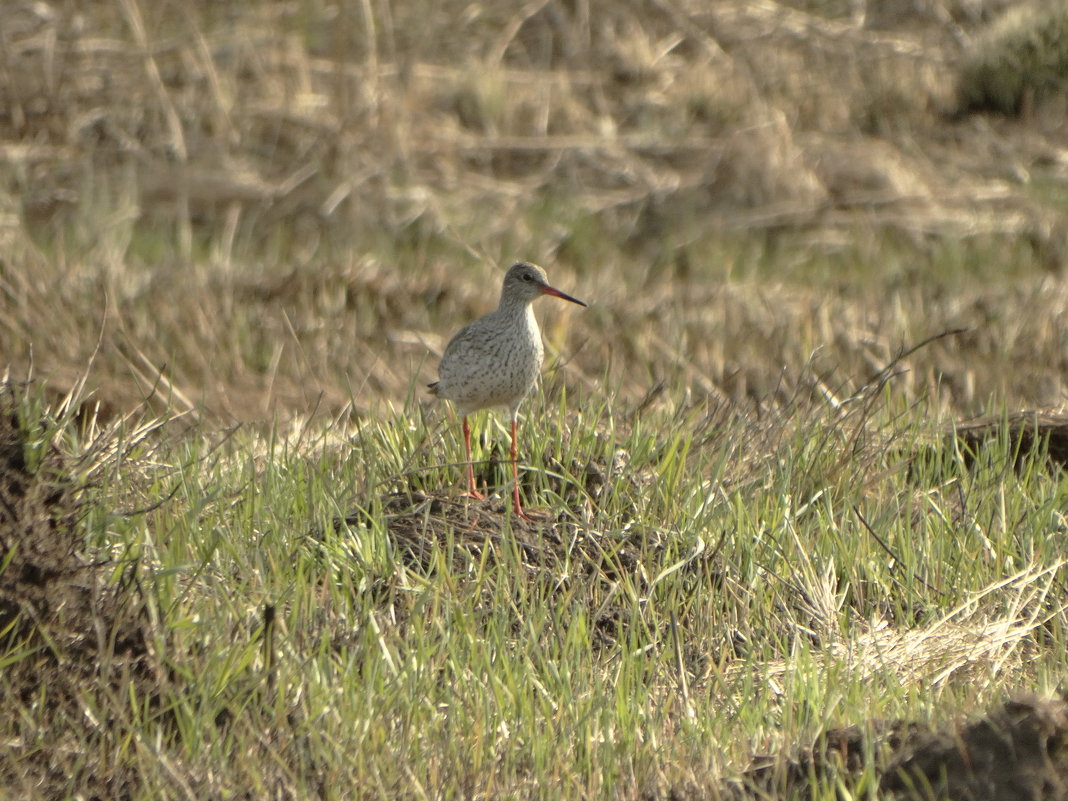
{"x":800,"y":581}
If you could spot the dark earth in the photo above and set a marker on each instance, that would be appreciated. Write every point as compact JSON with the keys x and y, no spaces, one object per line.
{"x":71,"y":643}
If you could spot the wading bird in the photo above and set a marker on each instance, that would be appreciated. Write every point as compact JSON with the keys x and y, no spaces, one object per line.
{"x":495,"y":361}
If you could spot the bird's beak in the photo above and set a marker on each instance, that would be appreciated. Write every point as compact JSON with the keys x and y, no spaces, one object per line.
{"x":556,"y":293}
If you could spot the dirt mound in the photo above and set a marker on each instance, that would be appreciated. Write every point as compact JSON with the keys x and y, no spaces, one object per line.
{"x":1027,"y":432}
{"x":44,"y":579}
{"x":554,"y":552}
{"x":1030,"y":437}
{"x":421,"y":523}
{"x":1015,"y":753}
{"x":68,"y":637}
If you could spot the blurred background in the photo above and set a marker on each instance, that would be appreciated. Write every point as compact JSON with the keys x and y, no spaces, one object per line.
{"x":261,"y":210}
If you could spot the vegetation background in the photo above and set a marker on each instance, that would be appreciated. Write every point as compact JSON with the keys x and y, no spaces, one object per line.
{"x":814,"y":235}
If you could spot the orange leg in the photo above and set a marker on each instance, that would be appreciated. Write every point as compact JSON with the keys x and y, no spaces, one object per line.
{"x":515,"y":478}
{"x":472,"y":492}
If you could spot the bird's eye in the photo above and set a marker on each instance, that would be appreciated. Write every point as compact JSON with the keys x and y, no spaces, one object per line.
{"x":528,"y":277}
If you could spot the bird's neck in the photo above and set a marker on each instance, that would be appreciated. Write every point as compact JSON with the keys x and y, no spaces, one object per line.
{"x":518,"y":314}
{"x":514,"y":307}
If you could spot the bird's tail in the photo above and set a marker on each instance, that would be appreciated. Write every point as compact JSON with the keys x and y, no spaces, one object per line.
{"x":433,"y":388}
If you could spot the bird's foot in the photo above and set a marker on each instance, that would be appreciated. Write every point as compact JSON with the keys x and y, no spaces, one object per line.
{"x":539,"y":516}
{"x":473,"y":494}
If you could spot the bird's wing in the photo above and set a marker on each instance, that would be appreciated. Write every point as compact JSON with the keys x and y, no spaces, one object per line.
{"x":466,"y":354}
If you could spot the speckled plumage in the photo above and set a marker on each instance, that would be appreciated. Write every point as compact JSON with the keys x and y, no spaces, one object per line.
{"x":495,"y":361}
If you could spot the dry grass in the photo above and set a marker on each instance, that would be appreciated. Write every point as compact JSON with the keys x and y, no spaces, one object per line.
{"x":327,"y":195}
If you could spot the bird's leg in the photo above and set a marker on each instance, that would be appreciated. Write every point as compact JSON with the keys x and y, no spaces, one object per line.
{"x":472,"y":492}
{"x":515,"y":477}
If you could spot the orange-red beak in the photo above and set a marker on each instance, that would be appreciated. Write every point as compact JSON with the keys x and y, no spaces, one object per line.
{"x":556,"y":293}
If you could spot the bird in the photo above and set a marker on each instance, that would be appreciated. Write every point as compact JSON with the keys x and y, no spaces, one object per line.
{"x":495,"y":361}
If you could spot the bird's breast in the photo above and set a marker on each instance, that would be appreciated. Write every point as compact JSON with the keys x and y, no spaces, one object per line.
{"x":493,"y":363}
{"x":524,"y":352}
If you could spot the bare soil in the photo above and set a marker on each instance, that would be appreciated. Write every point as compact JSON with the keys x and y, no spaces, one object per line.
{"x":79,"y":643}
{"x":1015,"y":753}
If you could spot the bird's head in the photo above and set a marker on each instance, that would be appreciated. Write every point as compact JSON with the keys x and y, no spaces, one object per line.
{"x":525,"y":283}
